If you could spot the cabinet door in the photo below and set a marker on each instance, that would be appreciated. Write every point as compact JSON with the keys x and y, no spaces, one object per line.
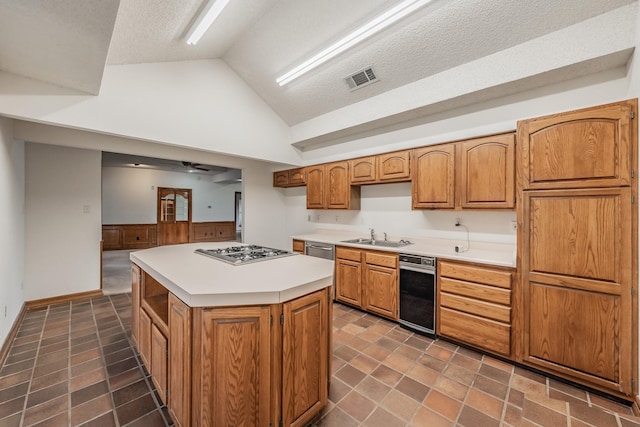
{"x":349,"y":282}
{"x":304,"y":358}
{"x":433,"y":184}
{"x":136,"y":278}
{"x":232,"y":367}
{"x":338,"y":188}
{"x":281,"y":178}
{"x":577,"y":285}
{"x":583,"y":148}
{"x":297,"y":177}
{"x":158,"y":368}
{"x":381,"y":294}
{"x":179,"y":399}
{"x":315,"y":187}
{"x":111,"y":237}
{"x":487,"y":172}
{"x":144,"y":337}
{"x":298,"y":246}
{"x":363,"y":170}
{"x":394,"y":166}
{"x":203,"y":232}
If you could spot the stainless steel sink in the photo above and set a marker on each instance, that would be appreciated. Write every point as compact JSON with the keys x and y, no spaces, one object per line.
{"x":383,"y":243}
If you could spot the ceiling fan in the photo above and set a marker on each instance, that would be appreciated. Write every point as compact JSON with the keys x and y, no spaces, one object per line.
{"x":197,"y":166}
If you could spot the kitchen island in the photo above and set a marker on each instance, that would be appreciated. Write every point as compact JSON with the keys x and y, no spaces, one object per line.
{"x":233,"y":344}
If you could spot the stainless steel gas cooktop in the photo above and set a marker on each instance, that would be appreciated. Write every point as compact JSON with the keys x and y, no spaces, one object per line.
{"x":240,"y":255}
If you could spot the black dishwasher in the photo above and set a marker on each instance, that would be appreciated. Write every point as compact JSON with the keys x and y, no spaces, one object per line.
{"x":418,"y":293}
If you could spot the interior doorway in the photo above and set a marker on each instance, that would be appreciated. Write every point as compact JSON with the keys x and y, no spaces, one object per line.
{"x":174,"y":215}
{"x":238,"y":215}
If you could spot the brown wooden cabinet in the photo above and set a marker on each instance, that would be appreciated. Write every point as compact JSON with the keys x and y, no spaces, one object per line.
{"x":290,"y":178}
{"x":231,"y":382}
{"x":433,"y":184}
{"x":129,"y":236}
{"x":367,"y":280}
{"x":298,"y":246}
{"x":136,"y":281}
{"x":252,"y":365}
{"x":214,"y":231}
{"x":577,"y":241}
{"x":179,"y":383}
{"x":473,"y":174}
{"x":387,"y":167}
{"x":348,"y":277}
{"x":474,"y":305}
{"x":328,"y":187}
{"x":381,"y":284}
{"x":305,"y":352}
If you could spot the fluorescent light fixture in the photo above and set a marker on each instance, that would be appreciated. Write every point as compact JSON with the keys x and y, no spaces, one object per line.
{"x":392,"y":15}
{"x":210,"y":13}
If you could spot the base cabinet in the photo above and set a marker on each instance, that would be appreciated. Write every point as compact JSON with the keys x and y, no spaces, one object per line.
{"x":242,"y":366}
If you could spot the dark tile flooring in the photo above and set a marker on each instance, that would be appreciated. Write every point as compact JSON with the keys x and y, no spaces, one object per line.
{"x":73,"y":364}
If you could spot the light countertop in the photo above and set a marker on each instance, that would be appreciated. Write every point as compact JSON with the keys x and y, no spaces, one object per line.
{"x":201,"y":281}
{"x":498,"y":254}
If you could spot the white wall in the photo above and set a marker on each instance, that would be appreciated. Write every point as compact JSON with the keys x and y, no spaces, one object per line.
{"x":62,"y":238}
{"x":11,"y":227}
{"x":129,"y":195}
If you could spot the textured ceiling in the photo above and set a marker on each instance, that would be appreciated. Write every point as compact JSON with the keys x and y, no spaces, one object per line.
{"x":69,"y":42}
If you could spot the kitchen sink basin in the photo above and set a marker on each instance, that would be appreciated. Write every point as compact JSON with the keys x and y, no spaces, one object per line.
{"x":383,"y":243}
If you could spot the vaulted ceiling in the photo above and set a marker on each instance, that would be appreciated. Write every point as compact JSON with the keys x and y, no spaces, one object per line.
{"x":70,"y":42}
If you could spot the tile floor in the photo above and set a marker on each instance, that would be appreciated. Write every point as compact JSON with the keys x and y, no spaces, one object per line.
{"x":72,"y":364}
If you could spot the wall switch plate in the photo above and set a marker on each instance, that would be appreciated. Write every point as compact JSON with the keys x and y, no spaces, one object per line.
{"x":86,"y":208}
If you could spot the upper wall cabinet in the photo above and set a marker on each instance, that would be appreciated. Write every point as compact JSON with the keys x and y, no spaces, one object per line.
{"x":290,"y":178}
{"x":578,"y":149}
{"x":387,"y":167}
{"x":473,"y":174}
{"x":328,"y":187}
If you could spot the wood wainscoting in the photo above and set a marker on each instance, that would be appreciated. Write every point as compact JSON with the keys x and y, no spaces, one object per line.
{"x":143,"y":236}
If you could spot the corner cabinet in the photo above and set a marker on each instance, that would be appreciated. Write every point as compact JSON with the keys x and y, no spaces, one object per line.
{"x":472,"y":174}
{"x":328,"y":187}
{"x":577,"y":240}
{"x":252,"y":365}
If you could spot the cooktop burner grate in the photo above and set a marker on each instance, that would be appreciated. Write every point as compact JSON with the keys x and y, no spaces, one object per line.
{"x":240,"y":255}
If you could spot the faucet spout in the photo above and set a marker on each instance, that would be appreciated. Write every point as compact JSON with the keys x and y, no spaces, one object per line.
{"x":373,"y":235}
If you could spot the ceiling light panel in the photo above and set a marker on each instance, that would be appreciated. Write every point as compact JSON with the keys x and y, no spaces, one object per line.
{"x":209,"y":14}
{"x":382,"y":21}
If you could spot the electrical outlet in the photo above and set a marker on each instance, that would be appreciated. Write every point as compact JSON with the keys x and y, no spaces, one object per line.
{"x":458,"y":221}
{"x":458,"y":248}
{"x":514,"y":226}
{"x":5,"y":311}
{"x":309,"y":218}
{"x":337,"y":218}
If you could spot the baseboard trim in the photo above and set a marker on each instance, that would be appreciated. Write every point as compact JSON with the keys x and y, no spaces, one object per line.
{"x":62,"y":298}
{"x":4,"y":351}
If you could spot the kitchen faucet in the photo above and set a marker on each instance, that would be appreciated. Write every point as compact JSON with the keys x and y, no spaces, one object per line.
{"x":373,"y":235}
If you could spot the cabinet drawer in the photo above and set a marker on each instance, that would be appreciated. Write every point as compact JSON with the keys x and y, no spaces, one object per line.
{"x":476,"y":274}
{"x":475,"y":290}
{"x":383,"y":260}
{"x":489,"y":310}
{"x":483,"y":333}
{"x":350,"y":254}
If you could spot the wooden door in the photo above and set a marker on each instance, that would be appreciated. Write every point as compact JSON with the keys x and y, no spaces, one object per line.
{"x":381,"y":295}
{"x":315,"y":187}
{"x":577,"y":285}
{"x":136,"y":279}
{"x":158,"y":368}
{"x":144,"y":337}
{"x":304,"y":358}
{"x":584,"y":148}
{"x":362,"y":170}
{"x":433,"y":183}
{"x":337,"y":186}
{"x":174,"y":215}
{"x":179,"y":398}
{"x":232,"y":367}
{"x":394,"y":166}
{"x":349,"y":282}
{"x":486,"y":168}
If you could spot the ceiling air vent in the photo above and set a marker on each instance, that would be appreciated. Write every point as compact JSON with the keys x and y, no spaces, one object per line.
{"x":362,"y":78}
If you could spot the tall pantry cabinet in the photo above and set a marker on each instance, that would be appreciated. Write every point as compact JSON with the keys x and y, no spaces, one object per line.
{"x":577,"y":238}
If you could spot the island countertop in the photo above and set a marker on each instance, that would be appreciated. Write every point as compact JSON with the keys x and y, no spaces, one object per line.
{"x":201,"y":281}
